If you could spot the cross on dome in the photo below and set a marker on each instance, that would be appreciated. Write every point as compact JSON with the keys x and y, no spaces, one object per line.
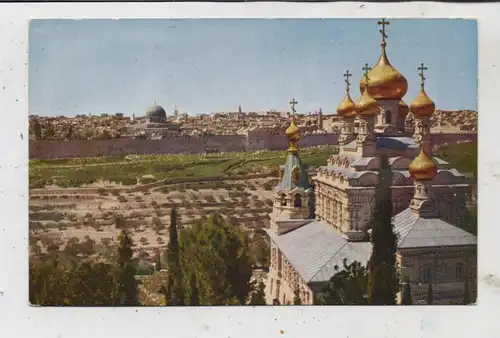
{"x":421,"y":69}
{"x":383,"y":23}
{"x":293,"y":103}
{"x":347,"y":75}
{"x":366,"y":69}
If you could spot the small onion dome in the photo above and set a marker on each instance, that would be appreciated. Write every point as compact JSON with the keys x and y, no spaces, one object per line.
{"x":362,"y":84}
{"x":366,"y":105}
{"x":346,"y":107}
{"x":422,"y":106}
{"x":386,"y":83}
{"x":422,"y":168}
{"x":293,"y":132}
{"x":403,"y":108}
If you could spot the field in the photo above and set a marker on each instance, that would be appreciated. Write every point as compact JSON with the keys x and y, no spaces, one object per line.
{"x":131,"y":170}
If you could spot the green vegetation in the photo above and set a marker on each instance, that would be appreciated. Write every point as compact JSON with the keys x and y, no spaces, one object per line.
{"x":462,"y":156}
{"x":128,"y":170}
{"x":174,"y":294}
{"x":383,"y":281}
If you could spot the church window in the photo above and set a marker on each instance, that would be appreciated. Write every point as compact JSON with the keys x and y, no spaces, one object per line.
{"x":426,"y":273}
{"x":297,"y":202}
{"x":283,"y":200}
{"x":295,"y":175}
{"x":458,"y":272}
{"x":388,"y":117}
{"x":444,"y":272}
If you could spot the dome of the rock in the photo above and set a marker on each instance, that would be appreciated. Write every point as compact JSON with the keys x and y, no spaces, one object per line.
{"x":156,"y":111}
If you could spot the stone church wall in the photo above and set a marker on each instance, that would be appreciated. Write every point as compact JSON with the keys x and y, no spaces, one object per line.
{"x":255,"y":140}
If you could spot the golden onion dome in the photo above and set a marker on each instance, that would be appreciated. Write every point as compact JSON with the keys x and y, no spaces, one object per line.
{"x":346,"y":107}
{"x":403,"y":108}
{"x":386,"y":83}
{"x":422,"y":168}
{"x":366,"y":105}
{"x":422,"y":106}
{"x":362,"y":84}
{"x":293,"y":132}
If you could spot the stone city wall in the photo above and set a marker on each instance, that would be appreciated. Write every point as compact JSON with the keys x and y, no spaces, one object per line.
{"x":255,"y":140}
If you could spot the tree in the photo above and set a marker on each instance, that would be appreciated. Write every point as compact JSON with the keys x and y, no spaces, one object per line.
{"x":258,"y":296}
{"x":296,"y":296}
{"x":347,"y":287}
{"x":37,"y":130}
{"x":158,"y":262}
{"x":195,"y":296}
{"x":126,"y":270}
{"x":174,"y":289}
{"x":260,"y":250}
{"x":407,"y":298}
{"x":383,"y":281}
{"x":430,"y":294}
{"x":220,"y":255}
{"x":466,"y":293}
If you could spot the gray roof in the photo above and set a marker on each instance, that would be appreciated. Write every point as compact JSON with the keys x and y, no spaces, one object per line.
{"x":286,"y":182}
{"x":316,"y":248}
{"x":392,"y":142}
{"x":389,"y":142}
{"x":415,"y":232}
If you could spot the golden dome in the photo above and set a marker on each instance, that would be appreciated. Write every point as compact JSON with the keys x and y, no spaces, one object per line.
{"x":422,"y":106}
{"x":293,"y":135}
{"x":362,"y":84}
{"x":346,"y":107}
{"x":403,"y":108}
{"x":422,"y":168}
{"x":366,"y":105}
{"x":386,"y":83}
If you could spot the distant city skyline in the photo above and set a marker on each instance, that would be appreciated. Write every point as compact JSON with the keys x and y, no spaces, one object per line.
{"x":215,"y":65}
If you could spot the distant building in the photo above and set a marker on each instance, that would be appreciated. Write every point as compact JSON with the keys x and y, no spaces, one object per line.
{"x":155,"y":126}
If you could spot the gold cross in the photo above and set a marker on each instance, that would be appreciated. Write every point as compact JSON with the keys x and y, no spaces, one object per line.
{"x":366,"y":69}
{"x":293,"y":103}
{"x":347,"y":75}
{"x":421,"y":73}
{"x":383,"y":23}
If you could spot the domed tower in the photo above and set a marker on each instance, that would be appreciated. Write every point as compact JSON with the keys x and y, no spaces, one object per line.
{"x":387,"y":86}
{"x":422,"y":171}
{"x":367,"y":110}
{"x":422,"y":109}
{"x":293,"y":203}
{"x":156,"y":114}
{"x":347,"y":112}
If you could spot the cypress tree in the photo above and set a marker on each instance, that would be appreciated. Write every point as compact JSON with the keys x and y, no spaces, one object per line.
{"x":258,"y":296}
{"x":430,"y":295}
{"x":407,"y":299}
{"x":466,"y":293}
{"x":174,"y":290}
{"x":383,"y":282}
{"x":195,"y":295}
{"x":126,"y":270}
{"x":296,"y":298}
{"x":158,"y":262}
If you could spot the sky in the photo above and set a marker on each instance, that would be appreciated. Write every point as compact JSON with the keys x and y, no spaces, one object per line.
{"x":215,"y":65}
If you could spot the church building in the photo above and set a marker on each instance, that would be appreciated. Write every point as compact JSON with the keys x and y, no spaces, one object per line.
{"x":313,"y":230}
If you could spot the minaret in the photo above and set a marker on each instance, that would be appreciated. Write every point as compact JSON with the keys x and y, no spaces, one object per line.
{"x":423,"y":170}
{"x":387,"y":86}
{"x":320,"y":119}
{"x":423,"y":108}
{"x":293,"y":200}
{"x":367,"y":110}
{"x":239,"y":109}
{"x":346,"y":111}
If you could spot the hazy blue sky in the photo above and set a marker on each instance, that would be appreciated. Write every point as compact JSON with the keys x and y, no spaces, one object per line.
{"x":92,"y":66}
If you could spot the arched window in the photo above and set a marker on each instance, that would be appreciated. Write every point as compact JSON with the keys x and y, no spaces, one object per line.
{"x":426,"y":273}
{"x":297,"y":201}
{"x":283,"y":199}
{"x":458,"y":272}
{"x":388,"y":117}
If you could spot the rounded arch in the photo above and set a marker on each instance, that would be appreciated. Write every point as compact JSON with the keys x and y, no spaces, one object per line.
{"x":373,"y":164}
{"x":398,"y":179}
{"x":368,"y":179}
{"x":401,"y":163}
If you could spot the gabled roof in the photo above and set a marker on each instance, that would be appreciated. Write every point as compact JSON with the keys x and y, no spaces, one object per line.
{"x":415,"y":232}
{"x":316,"y":248}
